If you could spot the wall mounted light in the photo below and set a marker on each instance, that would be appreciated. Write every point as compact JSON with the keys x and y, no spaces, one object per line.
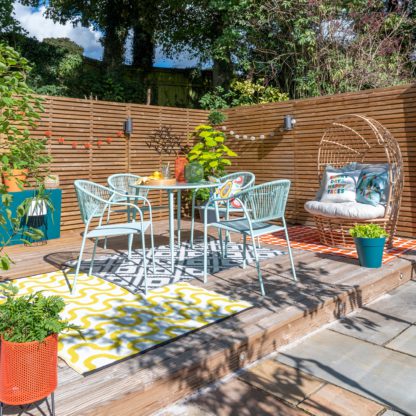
{"x":128,"y":126}
{"x":288,"y":122}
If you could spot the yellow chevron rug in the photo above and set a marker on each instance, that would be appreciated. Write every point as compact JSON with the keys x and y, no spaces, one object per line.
{"x":117,"y":324}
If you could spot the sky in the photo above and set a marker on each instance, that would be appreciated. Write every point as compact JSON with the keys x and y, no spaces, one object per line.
{"x":38,"y":26}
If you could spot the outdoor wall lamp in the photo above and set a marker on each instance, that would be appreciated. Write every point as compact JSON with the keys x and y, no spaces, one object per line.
{"x":288,"y":122}
{"x":128,"y":126}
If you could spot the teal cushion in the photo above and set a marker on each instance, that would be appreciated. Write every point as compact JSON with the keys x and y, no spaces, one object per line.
{"x":373,"y":185}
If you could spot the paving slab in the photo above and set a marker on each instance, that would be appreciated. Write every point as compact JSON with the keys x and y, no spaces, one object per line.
{"x":237,"y":398}
{"x":371,"y":326}
{"x":372,"y":371}
{"x":400,"y":303}
{"x":332,"y":400}
{"x":390,"y":412}
{"x":282,"y":381}
{"x":405,"y":342}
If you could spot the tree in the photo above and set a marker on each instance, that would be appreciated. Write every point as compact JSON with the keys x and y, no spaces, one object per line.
{"x":213,"y":30}
{"x":323,"y":47}
{"x":8,"y":22}
{"x":114,"y":19}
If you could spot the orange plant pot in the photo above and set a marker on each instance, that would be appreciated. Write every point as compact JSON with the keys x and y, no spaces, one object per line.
{"x":180,"y":163}
{"x":28,"y":370}
{"x":12,"y":180}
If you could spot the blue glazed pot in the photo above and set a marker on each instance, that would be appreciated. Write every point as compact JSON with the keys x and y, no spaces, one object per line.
{"x":370,"y":251}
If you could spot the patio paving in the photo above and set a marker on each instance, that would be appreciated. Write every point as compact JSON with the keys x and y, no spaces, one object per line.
{"x":362,"y":365}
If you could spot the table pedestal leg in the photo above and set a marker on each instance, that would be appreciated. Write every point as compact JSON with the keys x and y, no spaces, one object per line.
{"x":171,"y":229}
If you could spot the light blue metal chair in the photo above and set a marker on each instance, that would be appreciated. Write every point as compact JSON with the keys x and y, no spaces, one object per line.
{"x":94,"y":201}
{"x":248,"y":180}
{"x":261,"y":204}
{"x":123,"y":183}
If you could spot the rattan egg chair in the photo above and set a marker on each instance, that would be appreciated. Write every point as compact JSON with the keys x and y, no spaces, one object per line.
{"x":357,"y":138}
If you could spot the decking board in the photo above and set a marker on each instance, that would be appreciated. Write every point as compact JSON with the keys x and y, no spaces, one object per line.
{"x":329,"y":287}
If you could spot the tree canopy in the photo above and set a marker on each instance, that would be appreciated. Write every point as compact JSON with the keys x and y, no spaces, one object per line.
{"x":301,"y":47}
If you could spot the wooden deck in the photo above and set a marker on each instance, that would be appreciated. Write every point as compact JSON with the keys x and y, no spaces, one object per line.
{"x":328,"y":288}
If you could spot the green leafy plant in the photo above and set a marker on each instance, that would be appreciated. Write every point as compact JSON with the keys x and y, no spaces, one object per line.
{"x":19,"y":112}
{"x":244,"y":92}
{"x":31,"y":317}
{"x":211,"y":152}
{"x":368,"y":231}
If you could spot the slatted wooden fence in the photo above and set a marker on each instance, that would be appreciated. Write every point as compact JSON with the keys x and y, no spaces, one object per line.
{"x":87,"y":121}
{"x":285,"y":154}
{"x":293,"y":154}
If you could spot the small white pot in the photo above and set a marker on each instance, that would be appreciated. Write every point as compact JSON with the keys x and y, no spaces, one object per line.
{"x":37,"y":208}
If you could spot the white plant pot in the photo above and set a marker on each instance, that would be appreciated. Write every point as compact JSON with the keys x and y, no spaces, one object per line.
{"x":37,"y":208}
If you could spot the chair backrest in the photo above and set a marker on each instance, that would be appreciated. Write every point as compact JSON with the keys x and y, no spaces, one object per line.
{"x":267,"y":201}
{"x":248,"y":178}
{"x":92,"y":199}
{"x":122,"y":182}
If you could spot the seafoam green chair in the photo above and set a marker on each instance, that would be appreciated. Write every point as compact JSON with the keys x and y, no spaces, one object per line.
{"x":94,"y":201}
{"x":248,"y":179}
{"x":261,"y":205}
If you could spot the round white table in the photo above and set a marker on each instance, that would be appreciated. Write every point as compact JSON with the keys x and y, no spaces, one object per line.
{"x":170,"y":189}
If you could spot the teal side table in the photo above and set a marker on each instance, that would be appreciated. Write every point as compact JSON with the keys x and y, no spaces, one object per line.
{"x":50,"y":223}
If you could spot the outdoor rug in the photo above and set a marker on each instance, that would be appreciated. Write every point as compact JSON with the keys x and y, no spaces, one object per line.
{"x":189,"y":265}
{"x":307,"y":238}
{"x":117,"y":324}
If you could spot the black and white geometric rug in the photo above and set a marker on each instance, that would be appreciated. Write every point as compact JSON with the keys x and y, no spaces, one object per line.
{"x":118,"y":269}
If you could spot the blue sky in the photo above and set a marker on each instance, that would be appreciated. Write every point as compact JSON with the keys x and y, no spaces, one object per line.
{"x":37,"y":25}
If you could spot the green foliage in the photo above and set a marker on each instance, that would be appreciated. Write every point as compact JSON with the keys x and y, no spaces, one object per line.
{"x":368,"y":231}
{"x":312,"y":48}
{"x":216,"y":117}
{"x":211,"y":152}
{"x":31,"y":317}
{"x":242,"y":93}
{"x":19,"y":111}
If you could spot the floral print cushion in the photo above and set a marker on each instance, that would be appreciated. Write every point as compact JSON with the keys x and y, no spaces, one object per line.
{"x":372,"y":187}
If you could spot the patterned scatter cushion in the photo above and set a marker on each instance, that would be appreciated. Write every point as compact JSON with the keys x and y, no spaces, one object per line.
{"x":373,"y":185}
{"x":340,"y":186}
{"x":329,"y":168}
{"x":229,"y":189}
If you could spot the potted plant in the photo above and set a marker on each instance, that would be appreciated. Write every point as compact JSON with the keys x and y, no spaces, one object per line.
{"x":370,"y":240}
{"x":211,"y":153}
{"x":29,"y":328}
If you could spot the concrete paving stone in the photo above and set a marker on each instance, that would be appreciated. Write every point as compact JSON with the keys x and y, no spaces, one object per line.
{"x":332,"y":400}
{"x":400,"y":303}
{"x":390,"y":412}
{"x":237,"y":398}
{"x":372,"y":371}
{"x":370,"y":326}
{"x":405,"y":342}
{"x":281,"y":381}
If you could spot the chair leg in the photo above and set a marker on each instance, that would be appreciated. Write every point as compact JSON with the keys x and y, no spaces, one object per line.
{"x":193,"y":218}
{"x":152,"y":243}
{"x":292,"y":264}
{"x":244,"y":251}
{"x":93,"y":257}
{"x":221,"y":242}
{"x":205,"y":246}
{"x":130,"y":244}
{"x":81,"y":251}
{"x":144,"y":265}
{"x":108,"y":220}
{"x":259,"y":275}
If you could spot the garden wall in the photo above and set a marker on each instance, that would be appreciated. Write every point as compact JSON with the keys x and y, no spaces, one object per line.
{"x":293,"y":154}
{"x":283,"y":154}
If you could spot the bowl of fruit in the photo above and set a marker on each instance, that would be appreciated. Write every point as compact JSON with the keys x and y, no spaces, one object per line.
{"x":156,"y":178}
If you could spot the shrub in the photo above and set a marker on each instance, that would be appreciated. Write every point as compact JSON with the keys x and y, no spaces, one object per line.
{"x":368,"y":231}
